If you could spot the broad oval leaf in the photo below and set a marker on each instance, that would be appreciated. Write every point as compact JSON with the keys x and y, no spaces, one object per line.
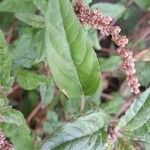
{"x":87,"y":132}
{"x":138,"y":113}
{"x":72,"y":61}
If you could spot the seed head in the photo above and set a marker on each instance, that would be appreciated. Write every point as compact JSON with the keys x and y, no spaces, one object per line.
{"x":96,"y":20}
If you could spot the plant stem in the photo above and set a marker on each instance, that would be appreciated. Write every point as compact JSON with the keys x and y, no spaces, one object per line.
{"x":82,"y":103}
{"x":33,"y":113}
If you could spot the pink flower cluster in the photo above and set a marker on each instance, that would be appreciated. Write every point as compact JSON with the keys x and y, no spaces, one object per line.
{"x":96,"y":20}
{"x":4,"y":144}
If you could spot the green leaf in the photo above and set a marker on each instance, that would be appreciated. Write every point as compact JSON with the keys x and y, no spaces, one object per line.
{"x":29,"y":48}
{"x":93,"y":38}
{"x":3,"y":103}
{"x":17,"y":6}
{"x":6,"y":20}
{"x":29,"y":80}
{"x":146,"y":146}
{"x":41,"y":5}
{"x":143,"y":72}
{"x":94,"y":100}
{"x":72,"y":61}
{"x":141,"y":134}
{"x":143,"y":4}
{"x":15,"y":128}
{"x":113,"y":106}
{"x":5,"y":63}
{"x":11,"y":116}
{"x":52,"y":122}
{"x":108,"y":9}
{"x":109,"y":64}
{"x":47,"y":92}
{"x":87,"y":132}
{"x":28,"y":102}
{"x":122,"y":145}
{"x":87,"y":2}
{"x":129,"y":19}
{"x":138,"y":113}
{"x":72,"y":107}
{"x":31,"y":19}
